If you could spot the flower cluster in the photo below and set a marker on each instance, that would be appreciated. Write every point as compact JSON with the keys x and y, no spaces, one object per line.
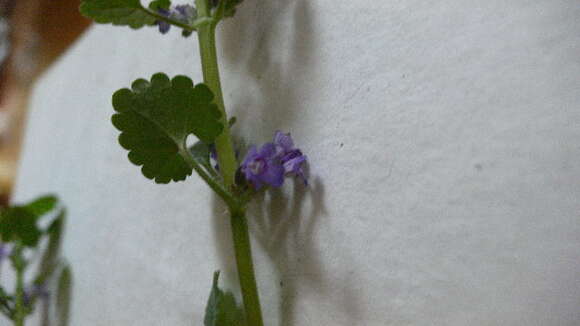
{"x":182,"y":13}
{"x":269,"y":164}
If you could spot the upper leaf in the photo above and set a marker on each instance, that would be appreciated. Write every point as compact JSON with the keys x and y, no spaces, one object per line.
{"x":221,"y":309}
{"x":42,"y":205}
{"x":118,"y":12}
{"x":156,"y":117}
{"x":19,"y":223}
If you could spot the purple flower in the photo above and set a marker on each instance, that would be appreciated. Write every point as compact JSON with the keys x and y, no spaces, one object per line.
{"x":263,"y":166}
{"x":291,"y":158}
{"x":182,"y":13}
{"x":163,"y":26}
{"x":273,"y":161}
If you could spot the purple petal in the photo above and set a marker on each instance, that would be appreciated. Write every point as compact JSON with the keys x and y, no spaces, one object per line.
{"x":250,"y":156}
{"x":163,"y":27}
{"x":184,"y":12}
{"x":181,"y":9}
{"x":294,"y":165}
{"x":274,"y":174}
{"x":284,"y":141}
{"x":261,"y":166}
{"x":247,"y":164}
{"x":267,"y":151}
{"x":291,"y":155}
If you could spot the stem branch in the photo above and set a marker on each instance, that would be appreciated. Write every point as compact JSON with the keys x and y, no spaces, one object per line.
{"x":215,"y":186}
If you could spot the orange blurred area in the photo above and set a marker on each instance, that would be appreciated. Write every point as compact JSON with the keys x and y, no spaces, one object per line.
{"x":39,"y":31}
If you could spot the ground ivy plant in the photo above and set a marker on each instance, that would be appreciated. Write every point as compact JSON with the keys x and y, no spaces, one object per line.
{"x":156,"y":116}
{"x":30,"y":239}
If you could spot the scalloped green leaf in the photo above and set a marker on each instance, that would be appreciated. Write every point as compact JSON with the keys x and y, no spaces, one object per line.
{"x":155,"y":118}
{"x":222,"y":309}
{"x":119,"y":12}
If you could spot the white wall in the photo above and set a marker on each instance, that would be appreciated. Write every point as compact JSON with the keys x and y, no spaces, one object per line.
{"x":444,"y":141}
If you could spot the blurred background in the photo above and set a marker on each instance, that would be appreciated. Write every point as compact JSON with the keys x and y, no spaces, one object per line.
{"x":33,"y":34}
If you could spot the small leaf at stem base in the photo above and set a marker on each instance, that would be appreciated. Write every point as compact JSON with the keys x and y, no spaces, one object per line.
{"x":222,"y":309}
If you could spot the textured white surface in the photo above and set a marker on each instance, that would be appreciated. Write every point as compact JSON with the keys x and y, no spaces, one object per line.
{"x":444,"y":140}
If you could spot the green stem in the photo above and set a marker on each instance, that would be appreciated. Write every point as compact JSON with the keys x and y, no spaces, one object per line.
{"x":243,"y":252}
{"x":228,"y":165}
{"x":211,"y":77}
{"x":19,"y":308}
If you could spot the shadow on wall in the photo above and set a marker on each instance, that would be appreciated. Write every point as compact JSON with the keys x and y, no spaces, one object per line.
{"x":286,"y":234}
{"x":249,"y":44}
{"x":284,"y":225}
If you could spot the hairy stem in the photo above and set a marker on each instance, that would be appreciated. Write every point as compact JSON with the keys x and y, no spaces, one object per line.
{"x":245,"y":266}
{"x":228,"y":166}
{"x":211,"y":77}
